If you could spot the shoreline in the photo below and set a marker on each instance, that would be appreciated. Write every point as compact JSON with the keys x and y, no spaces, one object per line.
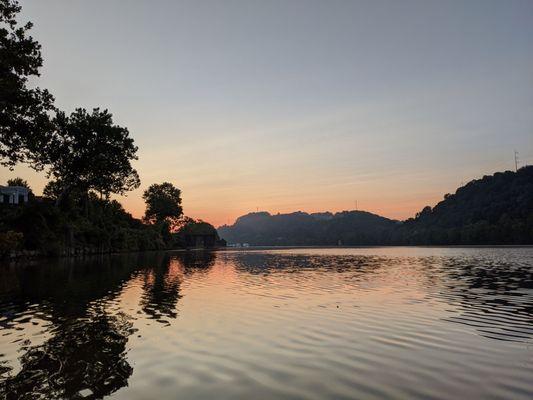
{"x":495,"y":246}
{"x":32,"y":255}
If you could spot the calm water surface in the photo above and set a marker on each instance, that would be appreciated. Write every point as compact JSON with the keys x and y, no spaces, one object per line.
{"x":401,"y":323}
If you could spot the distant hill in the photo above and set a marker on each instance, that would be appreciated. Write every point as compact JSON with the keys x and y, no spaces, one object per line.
{"x":303,"y":229}
{"x":496,"y":209}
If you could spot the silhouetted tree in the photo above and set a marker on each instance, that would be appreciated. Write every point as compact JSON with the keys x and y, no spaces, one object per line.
{"x":18,"y":182}
{"x":24,"y":122}
{"x":88,"y":152}
{"x":189,"y":230}
{"x":163,"y":204}
{"x":52,"y":189}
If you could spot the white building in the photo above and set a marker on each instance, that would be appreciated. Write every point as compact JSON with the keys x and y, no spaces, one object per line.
{"x":13,"y":194}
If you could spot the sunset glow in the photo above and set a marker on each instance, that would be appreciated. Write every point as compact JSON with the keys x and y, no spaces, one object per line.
{"x":298,"y":106}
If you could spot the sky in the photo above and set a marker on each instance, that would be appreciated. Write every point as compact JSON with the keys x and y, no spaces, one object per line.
{"x":298,"y":105}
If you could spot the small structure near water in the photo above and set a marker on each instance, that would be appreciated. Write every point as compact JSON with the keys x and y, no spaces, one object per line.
{"x":14,"y":194}
{"x":200,"y":240}
{"x":200,"y":234}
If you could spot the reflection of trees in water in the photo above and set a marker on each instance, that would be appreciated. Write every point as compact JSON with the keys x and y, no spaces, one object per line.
{"x":161,"y":290}
{"x":196,"y":261}
{"x":86,"y":356}
{"x":87,"y":350}
{"x":161,"y":283}
{"x":66,"y":285}
{"x":496,"y":298}
{"x":266,"y":263}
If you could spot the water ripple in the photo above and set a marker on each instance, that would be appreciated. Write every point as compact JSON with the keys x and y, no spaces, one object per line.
{"x":415,"y":323}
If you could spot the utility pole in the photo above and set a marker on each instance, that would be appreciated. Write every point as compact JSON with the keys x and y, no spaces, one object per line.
{"x":516,"y":160}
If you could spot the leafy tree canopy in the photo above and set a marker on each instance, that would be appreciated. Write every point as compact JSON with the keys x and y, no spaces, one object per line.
{"x":496,"y":209}
{"x":53,"y":189}
{"x":88,"y":152}
{"x":24,"y":121}
{"x":18,"y":182}
{"x":163,"y":203}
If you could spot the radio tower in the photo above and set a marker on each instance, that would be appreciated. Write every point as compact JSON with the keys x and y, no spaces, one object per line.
{"x":516,"y":160}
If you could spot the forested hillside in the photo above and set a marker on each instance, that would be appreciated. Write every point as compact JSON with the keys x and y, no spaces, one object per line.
{"x":496,"y":209}
{"x":303,"y":229}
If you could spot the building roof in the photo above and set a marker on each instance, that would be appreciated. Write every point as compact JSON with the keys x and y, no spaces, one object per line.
{"x":12,"y":189}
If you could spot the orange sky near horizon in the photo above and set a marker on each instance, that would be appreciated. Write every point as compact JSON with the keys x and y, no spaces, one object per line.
{"x":399,"y":199}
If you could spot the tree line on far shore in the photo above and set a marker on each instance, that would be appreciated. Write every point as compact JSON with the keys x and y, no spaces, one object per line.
{"x":494,"y":210}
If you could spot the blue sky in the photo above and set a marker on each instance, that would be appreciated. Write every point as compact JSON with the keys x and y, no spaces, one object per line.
{"x":299,"y":105}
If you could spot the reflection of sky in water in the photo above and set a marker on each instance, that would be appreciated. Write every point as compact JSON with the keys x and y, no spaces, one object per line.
{"x":305,"y":323}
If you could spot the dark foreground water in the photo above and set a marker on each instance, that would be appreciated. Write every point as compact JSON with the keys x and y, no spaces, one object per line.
{"x":405,"y":323}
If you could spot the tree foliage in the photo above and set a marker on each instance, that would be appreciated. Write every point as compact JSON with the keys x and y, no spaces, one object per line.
{"x":52,"y":190}
{"x":303,"y":229}
{"x":89,"y":225}
{"x":18,"y":182}
{"x":496,"y":209}
{"x":163,"y":203}
{"x":83,"y":151}
{"x":196,"y":233}
{"x":24,"y":119}
{"x":88,"y":152}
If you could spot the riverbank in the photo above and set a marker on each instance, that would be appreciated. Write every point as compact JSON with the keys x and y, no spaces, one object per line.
{"x":91,"y":226}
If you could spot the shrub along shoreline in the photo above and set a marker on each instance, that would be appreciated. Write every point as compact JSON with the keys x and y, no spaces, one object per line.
{"x":83,"y":227}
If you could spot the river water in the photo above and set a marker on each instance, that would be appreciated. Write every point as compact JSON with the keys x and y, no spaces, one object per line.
{"x":362,"y":323}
